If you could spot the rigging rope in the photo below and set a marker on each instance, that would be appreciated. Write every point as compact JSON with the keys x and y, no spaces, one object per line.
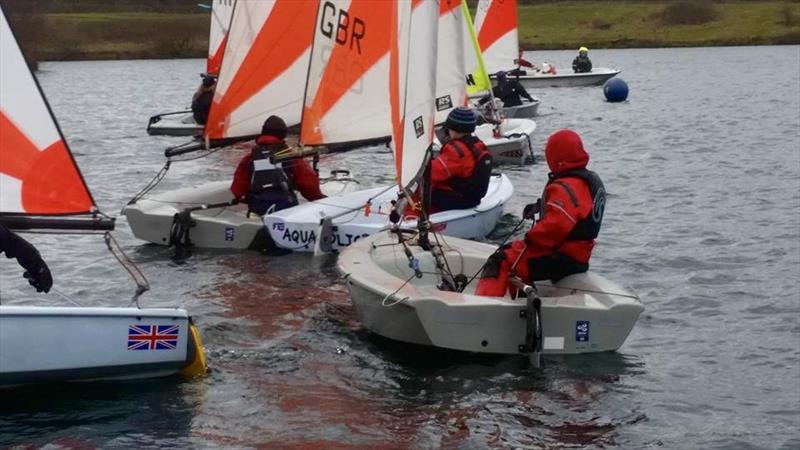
{"x":142,"y":285}
{"x":505,"y":241}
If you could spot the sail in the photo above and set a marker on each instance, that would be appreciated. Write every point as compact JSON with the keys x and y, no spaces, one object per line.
{"x":347,"y":94}
{"x":496,"y":24}
{"x":221,"y":12}
{"x":38,"y":175}
{"x":412,"y":88}
{"x":264,"y":69}
{"x":451,"y":89}
{"x":477,"y":77}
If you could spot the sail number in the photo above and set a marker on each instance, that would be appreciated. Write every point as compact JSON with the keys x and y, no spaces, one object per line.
{"x":341,"y":27}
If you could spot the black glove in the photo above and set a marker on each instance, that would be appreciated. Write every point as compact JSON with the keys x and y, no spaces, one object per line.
{"x":40,"y":278}
{"x":531,"y":209}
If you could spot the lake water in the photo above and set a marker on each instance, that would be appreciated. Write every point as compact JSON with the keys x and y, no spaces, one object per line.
{"x":703,"y":220}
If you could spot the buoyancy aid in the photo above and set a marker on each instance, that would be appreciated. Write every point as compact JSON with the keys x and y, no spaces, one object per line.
{"x":475,"y":186}
{"x":271,"y":188}
{"x":588,"y":228}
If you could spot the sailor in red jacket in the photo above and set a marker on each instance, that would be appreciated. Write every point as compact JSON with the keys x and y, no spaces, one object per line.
{"x":560,"y":243}
{"x":460,"y":174}
{"x":268,"y":187}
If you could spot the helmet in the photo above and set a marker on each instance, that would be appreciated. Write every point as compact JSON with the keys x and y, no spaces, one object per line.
{"x":583,"y":49}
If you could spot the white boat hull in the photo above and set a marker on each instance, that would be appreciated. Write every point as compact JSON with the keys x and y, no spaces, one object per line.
{"x":524,"y":111}
{"x":296,"y":228}
{"x":582,"y":313}
{"x":537,"y":80}
{"x":514,"y":145}
{"x":228,"y":227}
{"x":55,"y":344}
{"x":179,"y":123}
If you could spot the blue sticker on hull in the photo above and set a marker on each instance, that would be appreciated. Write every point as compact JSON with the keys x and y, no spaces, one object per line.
{"x":582,"y":331}
{"x":229,"y":233}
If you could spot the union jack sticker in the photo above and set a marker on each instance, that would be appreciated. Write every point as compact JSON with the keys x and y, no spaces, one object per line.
{"x":153,"y":337}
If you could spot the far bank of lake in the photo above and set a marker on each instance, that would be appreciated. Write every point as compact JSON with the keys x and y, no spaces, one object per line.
{"x":86,"y":34}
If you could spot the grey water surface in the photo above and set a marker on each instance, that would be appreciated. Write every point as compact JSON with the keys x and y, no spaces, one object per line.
{"x":702,"y":165}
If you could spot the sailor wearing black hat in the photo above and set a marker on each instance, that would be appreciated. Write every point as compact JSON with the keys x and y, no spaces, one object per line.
{"x":460,"y":174}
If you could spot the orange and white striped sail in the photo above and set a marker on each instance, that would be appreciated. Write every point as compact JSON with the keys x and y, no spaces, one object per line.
{"x":496,"y":24}
{"x":38,"y":175}
{"x":265,"y":66}
{"x":347,"y":94}
{"x":412,"y":88}
{"x":221,"y":12}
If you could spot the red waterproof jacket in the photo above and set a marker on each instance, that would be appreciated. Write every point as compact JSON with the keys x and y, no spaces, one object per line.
{"x":564,"y":152}
{"x":303,"y":178}
{"x":455,"y":160}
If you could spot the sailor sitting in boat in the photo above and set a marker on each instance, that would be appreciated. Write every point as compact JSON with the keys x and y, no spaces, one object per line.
{"x":266,"y":186}
{"x":510,"y":92}
{"x":560,"y":243}
{"x":521,"y":62}
{"x":36,"y":271}
{"x":582,"y":63}
{"x":201,"y":100}
{"x":460,"y":174}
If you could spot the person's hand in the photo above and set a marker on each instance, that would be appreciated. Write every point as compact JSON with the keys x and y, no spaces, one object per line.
{"x":530,"y":210}
{"x":39,"y":277}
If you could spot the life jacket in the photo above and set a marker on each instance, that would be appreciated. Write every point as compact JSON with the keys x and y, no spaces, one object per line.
{"x":271,"y":187}
{"x":588,"y":228}
{"x":475,"y":186}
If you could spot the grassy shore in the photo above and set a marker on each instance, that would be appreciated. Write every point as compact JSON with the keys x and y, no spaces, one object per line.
{"x":551,"y":25}
{"x":637,"y":24}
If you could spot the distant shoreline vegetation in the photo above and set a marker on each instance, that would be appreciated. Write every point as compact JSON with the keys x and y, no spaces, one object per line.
{"x":51,"y":30}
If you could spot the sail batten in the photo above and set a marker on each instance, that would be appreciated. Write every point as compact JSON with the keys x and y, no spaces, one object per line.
{"x":38,"y":174}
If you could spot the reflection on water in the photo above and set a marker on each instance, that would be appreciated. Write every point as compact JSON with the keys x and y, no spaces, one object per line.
{"x":703,"y":221}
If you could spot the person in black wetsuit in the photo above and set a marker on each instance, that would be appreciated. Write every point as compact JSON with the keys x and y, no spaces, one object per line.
{"x":202,"y":98}
{"x":510,"y":92}
{"x":582,"y":63}
{"x":36,"y":271}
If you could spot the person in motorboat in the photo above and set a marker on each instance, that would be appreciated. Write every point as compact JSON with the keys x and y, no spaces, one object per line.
{"x":461,"y":173}
{"x":582,"y":63}
{"x":267,"y":187}
{"x":36,"y":271}
{"x":202,"y":98}
{"x":570,"y":211}
{"x":521,"y":62}
{"x":509,"y":91}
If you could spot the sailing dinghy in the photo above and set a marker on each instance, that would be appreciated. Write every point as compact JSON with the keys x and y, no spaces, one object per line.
{"x":41,"y":187}
{"x":460,"y":59}
{"x":413,"y":285}
{"x":181,"y":123}
{"x":337,"y":108}
{"x":496,"y":24}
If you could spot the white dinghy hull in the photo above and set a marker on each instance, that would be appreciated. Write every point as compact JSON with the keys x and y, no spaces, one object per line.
{"x":180,"y":123}
{"x":227,"y":227}
{"x":582,"y":313}
{"x":524,"y":111}
{"x":57,"y":344}
{"x":296,"y":228}
{"x":514,"y":146}
{"x":537,"y":80}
